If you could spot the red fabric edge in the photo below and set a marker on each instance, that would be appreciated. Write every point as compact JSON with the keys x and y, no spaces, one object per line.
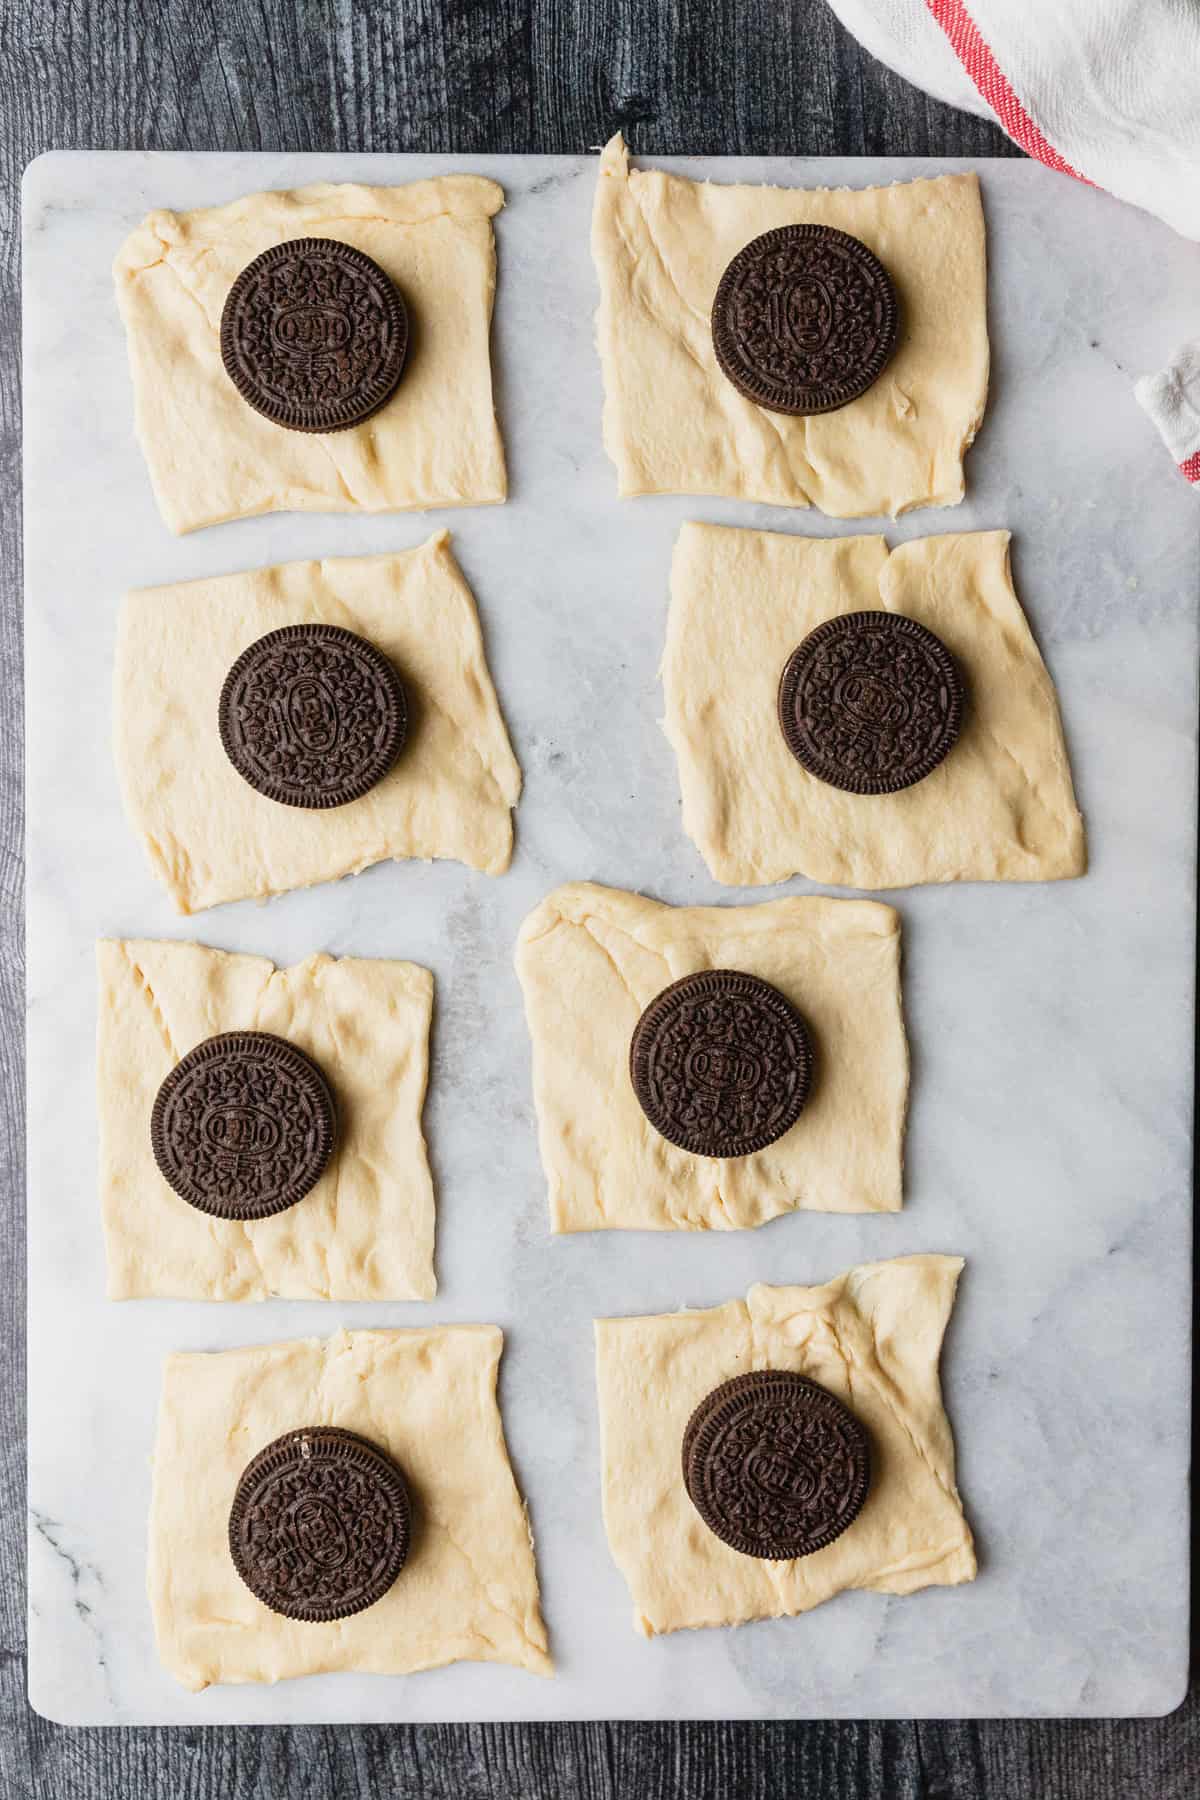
{"x":987,"y":75}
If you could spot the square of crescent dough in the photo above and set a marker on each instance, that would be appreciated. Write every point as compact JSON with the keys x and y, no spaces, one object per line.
{"x":468,"y":1590}
{"x":208,"y":834}
{"x":674,"y":424}
{"x":212,"y":457}
{"x":365,"y":1230}
{"x":1000,"y":807}
{"x":872,"y":1337}
{"x":591,"y":959}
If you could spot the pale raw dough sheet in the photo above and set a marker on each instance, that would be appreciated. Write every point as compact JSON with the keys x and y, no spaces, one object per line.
{"x":674,"y":424}
{"x":591,"y":959}
{"x":1001,"y":806}
{"x":872,"y":1337}
{"x":365,"y":1230}
{"x":211,"y":457}
{"x":208,"y":834}
{"x":468,"y":1590}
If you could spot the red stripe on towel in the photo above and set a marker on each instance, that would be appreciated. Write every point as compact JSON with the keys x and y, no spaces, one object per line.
{"x":977,"y":59}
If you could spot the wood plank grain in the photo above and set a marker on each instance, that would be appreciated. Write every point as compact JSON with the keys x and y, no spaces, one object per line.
{"x":699,"y":76}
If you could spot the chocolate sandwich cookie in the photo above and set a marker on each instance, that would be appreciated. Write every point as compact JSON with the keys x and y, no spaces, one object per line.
{"x":871,"y":702}
{"x":244,"y":1126}
{"x":314,"y":335}
{"x":804,"y":320}
{"x":721,"y":1063}
{"x":312,"y":715}
{"x":320,"y":1524}
{"x":775,"y":1465}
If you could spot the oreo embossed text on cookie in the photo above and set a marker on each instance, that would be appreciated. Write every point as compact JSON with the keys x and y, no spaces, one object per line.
{"x":721,"y":1063}
{"x":320,"y":1524}
{"x":871,"y":702}
{"x":314,"y":335}
{"x":776,"y":1465}
{"x":312,"y":716}
{"x":804,"y":320}
{"x":243,"y":1126}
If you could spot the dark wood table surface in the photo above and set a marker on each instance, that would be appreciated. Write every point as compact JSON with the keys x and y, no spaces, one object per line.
{"x":705,"y":77}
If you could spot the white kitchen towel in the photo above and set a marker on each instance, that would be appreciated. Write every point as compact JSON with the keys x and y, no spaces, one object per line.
{"x":1105,"y":90}
{"x":1172,"y":398}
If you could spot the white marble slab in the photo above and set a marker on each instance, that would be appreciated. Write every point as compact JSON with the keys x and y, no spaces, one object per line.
{"x":1051,"y":1026}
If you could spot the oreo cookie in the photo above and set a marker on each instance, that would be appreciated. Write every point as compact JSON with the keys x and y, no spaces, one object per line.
{"x":312,"y":716}
{"x":243,"y":1127}
{"x":804,"y":320}
{"x":721,"y":1063}
{"x":871,"y":702}
{"x":775,"y":1465}
{"x":320,"y":1525}
{"x":314,"y":335}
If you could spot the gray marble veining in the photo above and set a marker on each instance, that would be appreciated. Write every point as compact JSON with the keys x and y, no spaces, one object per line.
{"x":1051,"y":1026}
